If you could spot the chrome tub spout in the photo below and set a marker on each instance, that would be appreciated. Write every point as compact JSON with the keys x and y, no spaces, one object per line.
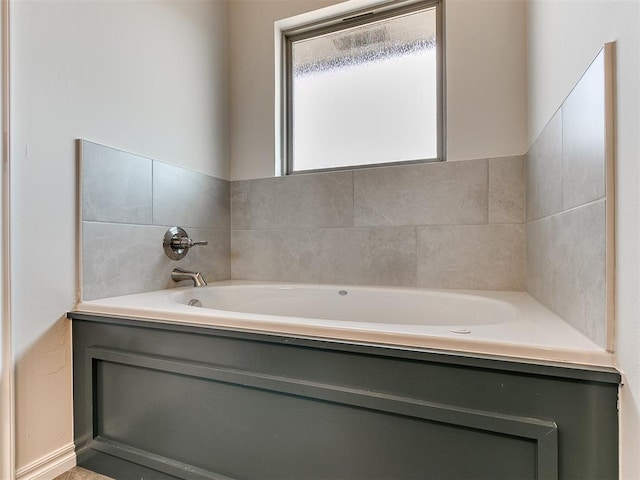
{"x":179,"y":274}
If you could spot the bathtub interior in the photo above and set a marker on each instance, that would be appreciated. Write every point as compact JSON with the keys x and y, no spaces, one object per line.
{"x":355,"y":304}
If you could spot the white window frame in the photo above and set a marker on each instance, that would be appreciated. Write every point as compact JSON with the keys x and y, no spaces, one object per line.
{"x":337,"y":17}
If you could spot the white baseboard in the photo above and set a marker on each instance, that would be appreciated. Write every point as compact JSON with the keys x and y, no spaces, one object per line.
{"x":50,"y":466}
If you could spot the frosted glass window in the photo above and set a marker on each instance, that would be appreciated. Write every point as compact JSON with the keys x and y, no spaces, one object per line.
{"x":367,"y":94}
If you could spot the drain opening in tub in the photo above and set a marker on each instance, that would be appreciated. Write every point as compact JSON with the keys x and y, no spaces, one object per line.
{"x":460,"y":331}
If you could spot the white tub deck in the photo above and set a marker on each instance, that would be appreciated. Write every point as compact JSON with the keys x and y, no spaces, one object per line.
{"x":508,"y":324}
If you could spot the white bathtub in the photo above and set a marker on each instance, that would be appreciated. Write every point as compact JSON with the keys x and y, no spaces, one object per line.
{"x":509,"y":324}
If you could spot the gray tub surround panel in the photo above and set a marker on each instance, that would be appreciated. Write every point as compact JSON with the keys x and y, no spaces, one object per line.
{"x":302,"y":201}
{"x":240,"y":205}
{"x":485,"y":257}
{"x":427,"y":194}
{"x":566,"y":258}
{"x":583,"y":139}
{"x":112,"y":267}
{"x":370,"y":256}
{"x":567,"y":207}
{"x":364,"y":226}
{"x":116,"y":185}
{"x":507,"y":190}
{"x":189,"y":199}
{"x":544,"y":171}
{"x":121,"y":252}
{"x":168,"y":401}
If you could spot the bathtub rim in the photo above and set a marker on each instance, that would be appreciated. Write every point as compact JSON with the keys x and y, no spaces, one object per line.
{"x":553,"y":368}
{"x":169,"y":312}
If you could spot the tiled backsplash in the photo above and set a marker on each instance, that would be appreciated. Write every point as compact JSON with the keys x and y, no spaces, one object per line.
{"x":566,"y":209}
{"x":436,"y":225}
{"x":128,"y":202}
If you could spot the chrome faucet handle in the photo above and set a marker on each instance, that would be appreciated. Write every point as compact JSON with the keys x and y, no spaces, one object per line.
{"x":179,"y":242}
{"x":176,"y":243}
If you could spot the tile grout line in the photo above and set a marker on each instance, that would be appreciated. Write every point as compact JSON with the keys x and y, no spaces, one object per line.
{"x":353,"y":197}
{"x":572,"y":209}
{"x":415,"y":257}
{"x":488,"y":190}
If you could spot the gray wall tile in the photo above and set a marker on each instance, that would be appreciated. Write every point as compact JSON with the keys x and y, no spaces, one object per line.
{"x":302,"y":201}
{"x":542,"y":260}
{"x":112,"y":267}
{"x":439,"y":193}
{"x":189,"y":199}
{"x":580,"y":287}
{"x":123,"y":193}
{"x":116,"y":185}
{"x":240,"y":204}
{"x":566,"y":261}
{"x":544,"y":171}
{"x":566,"y":250}
{"x":583,"y":135}
{"x":394,"y":200}
{"x":489,"y":257}
{"x":373,"y":256}
{"x":507,"y":190}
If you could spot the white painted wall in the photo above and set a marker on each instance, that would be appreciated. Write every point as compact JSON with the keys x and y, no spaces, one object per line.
{"x":486,"y":79}
{"x":564,"y":36}
{"x":147,"y":77}
{"x":252,"y":81}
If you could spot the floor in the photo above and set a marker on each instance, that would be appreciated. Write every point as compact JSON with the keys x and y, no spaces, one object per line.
{"x":78,"y":473}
